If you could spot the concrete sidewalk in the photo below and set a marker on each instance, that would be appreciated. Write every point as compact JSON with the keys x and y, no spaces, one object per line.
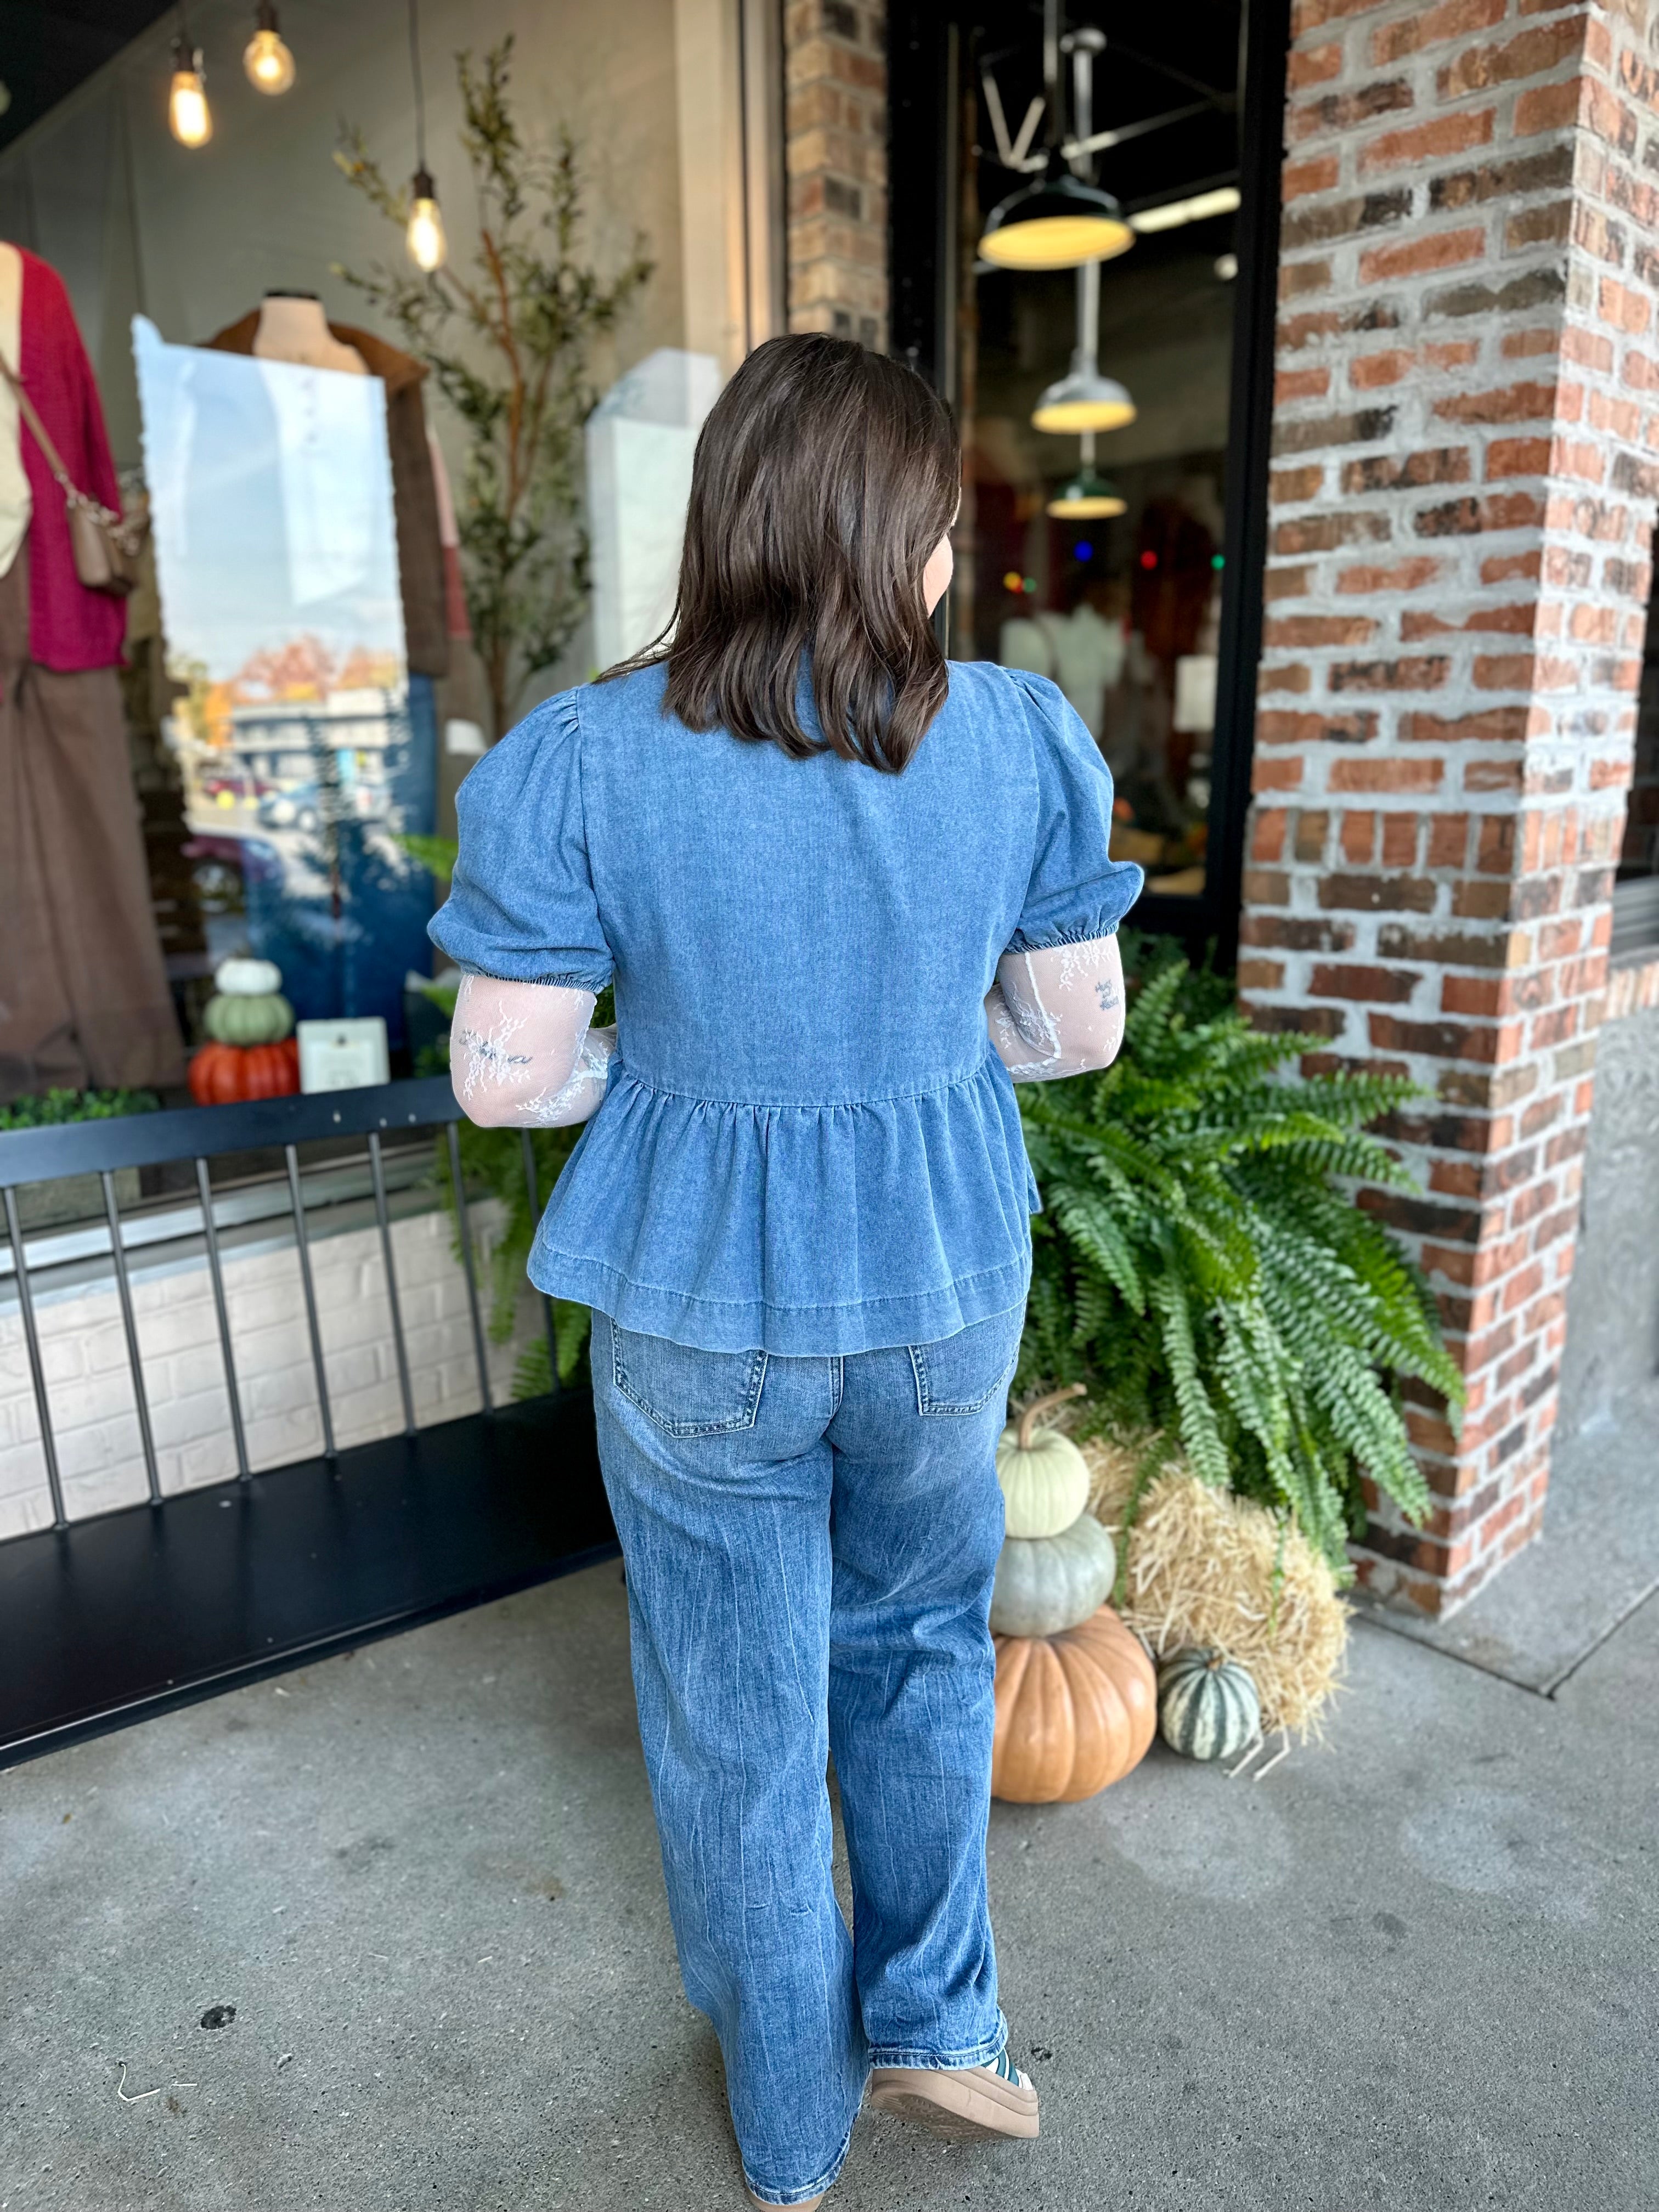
{"x":1416,"y":1969}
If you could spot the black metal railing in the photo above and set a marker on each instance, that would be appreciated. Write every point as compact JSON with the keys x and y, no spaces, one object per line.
{"x":198,"y":1134}
{"x":108,"y":1616}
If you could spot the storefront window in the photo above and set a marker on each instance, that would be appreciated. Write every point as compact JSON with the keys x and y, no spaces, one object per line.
{"x":1115,"y":449}
{"x":389,"y":356}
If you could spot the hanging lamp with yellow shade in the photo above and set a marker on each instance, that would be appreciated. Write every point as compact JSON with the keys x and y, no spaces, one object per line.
{"x":1058,"y":222}
{"x":1087,"y":497}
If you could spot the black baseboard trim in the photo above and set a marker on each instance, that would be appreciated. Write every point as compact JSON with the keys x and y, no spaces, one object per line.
{"x":117,"y":1619}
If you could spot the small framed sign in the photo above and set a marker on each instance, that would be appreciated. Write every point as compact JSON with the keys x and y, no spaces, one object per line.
{"x":344,"y":1055}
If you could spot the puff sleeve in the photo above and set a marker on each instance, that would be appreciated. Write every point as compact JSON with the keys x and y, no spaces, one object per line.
{"x":521,"y":904}
{"x":1076,"y":890}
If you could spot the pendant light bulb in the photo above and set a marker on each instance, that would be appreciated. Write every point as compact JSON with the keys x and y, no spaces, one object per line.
{"x":268,"y":63}
{"x":428,"y":248}
{"x":189,"y":118}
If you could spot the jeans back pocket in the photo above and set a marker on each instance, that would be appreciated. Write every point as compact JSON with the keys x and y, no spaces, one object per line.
{"x":961,"y":1374}
{"x":686,"y":1392}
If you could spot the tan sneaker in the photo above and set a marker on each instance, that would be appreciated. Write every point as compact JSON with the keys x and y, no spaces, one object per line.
{"x":805,"y":2204}
{"x":965,"y":2103}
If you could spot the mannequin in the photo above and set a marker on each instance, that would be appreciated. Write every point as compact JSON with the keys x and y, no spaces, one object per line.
{"x":83,"y":990}
{"x":292,"y":327}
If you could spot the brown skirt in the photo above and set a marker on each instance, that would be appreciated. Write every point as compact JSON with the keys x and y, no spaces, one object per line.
{"x":83,"y":992}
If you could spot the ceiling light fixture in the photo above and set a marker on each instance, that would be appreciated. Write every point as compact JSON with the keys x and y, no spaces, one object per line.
{"x":189,"y":117}
{"x":1198,"y":207}
{"x":1083,"y":400}
{"x":1056,"y":223}
{"x":428,"y":248}
{"x":266,"y":59}
{"x":1087,"y":498}
{"x":1063,"y":220}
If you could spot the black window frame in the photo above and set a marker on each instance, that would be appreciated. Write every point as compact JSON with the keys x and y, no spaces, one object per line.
{"x":925,"y":59}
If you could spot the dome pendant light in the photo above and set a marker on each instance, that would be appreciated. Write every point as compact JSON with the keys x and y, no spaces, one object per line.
{"x":1083,"y":399}
{"x":428,"y":247}
{"x":189,"y":117}
{"x":1089,"y":497}
{"x":266,"y":59}
{"x":1064,"y":219}
{"x":1055,"y":223}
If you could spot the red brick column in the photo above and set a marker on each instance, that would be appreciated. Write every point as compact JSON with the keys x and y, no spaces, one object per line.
{"x":1462,"y":502}
{"x":836,"y":157}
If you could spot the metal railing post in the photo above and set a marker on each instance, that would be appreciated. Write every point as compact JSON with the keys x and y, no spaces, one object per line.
{"x":210,"y":1233}
{"x":547,"y":1302}
{"x":36,"y":1371}
{"x":128,"y":1322}
{"x":297,"y":1203}
{"x":468,"y":1262}
{"x":381,"y":1215}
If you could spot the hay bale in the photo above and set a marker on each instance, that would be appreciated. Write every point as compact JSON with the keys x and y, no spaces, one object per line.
{"x":1203,"y":1568}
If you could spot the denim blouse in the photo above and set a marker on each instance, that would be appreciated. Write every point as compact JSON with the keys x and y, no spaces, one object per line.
{"x":807,"y":1144}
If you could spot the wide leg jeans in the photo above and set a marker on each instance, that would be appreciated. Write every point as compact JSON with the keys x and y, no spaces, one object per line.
{"x":810,"y":1545}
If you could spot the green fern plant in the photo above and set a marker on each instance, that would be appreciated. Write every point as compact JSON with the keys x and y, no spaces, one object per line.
{"x":1200,"y":1268}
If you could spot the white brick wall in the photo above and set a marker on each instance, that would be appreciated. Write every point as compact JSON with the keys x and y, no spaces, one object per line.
{"x":84,"y":1350}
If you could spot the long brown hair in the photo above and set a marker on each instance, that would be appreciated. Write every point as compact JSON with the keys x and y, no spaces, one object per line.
{"x":824,"y":476}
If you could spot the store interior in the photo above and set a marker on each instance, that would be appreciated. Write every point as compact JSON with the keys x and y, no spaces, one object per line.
{"x":1096,"y":558}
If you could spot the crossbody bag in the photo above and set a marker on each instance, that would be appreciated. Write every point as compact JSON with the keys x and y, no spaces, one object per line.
{"x":104,"y":545}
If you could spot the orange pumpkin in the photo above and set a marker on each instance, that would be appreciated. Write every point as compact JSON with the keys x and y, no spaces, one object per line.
{"x":222,"y":1073}
{"x":1075,"y":1711}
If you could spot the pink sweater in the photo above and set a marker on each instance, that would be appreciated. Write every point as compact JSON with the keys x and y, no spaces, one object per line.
{"x":70,"y":626}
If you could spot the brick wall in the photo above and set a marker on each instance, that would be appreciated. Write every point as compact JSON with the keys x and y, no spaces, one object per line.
{"x":836,"y":157}
{"x":1468,"y":406}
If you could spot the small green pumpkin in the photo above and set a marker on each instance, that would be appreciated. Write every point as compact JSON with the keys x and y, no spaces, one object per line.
{"x":1044,"y":1477}
{"x":237,"y":1019}
{"x":1207,"y":1706}
{"x":1046,"y":1584}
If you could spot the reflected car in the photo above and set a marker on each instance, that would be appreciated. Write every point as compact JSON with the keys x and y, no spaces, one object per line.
{"x":297,"y":807}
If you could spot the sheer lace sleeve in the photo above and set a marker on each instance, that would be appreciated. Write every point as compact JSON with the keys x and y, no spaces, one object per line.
{"x":1057,"y":1010}
{"x":522,"y":1056}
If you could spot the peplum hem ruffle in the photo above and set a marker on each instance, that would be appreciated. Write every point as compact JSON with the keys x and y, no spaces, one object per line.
{"x":795,"y":1230}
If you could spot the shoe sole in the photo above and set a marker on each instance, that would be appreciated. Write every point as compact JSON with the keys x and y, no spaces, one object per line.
{"x":961,"y":2110}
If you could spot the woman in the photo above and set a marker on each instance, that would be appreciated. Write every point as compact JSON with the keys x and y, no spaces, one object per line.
{"x":846,"y":894}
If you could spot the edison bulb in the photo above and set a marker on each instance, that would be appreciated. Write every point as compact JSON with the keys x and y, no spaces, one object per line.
{"x":428,"y":248}
{"x":189,"y":118}
{"x":268,"y":62}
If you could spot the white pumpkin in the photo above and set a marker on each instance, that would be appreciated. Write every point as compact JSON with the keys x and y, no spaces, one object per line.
{"x":248,"y":979}
{"x":1046,"y":1584}
{"x":1044,"y":1477}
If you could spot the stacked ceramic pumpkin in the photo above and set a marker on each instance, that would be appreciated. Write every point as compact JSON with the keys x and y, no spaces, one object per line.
{"x":252,"y":1054}
{"x":1076,"y":1697}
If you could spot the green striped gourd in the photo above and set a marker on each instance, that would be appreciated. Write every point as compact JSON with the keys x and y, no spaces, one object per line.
{"x":1046,"y":1584}
{"x":1207,"y":1706}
